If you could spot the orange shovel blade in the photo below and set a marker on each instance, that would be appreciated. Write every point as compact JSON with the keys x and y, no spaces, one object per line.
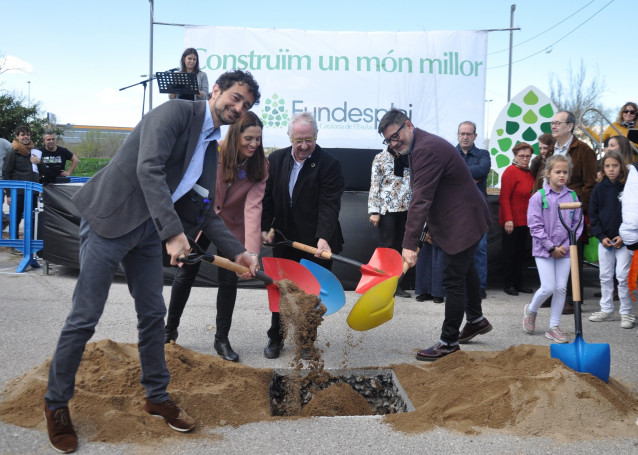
{"x":285,"y":269}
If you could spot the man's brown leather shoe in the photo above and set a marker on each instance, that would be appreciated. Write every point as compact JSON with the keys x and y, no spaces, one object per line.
{"x":471,"y":330}
{"x":62,"y":436}
{"x":436,"y":352}
{"x":175,"y":417}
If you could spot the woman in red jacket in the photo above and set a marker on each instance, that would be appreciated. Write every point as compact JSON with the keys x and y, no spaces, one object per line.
{"x":516,"y":187}
{"x":241,"y":182}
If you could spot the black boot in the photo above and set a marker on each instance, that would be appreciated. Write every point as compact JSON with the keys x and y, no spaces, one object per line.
{"x":223,"y":348}
{"x":273,"y":348}
{"x":170,"y":335}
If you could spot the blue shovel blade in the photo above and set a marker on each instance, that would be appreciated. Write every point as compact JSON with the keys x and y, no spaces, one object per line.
{"x":584,"y":357}
{"x":331,"y":294}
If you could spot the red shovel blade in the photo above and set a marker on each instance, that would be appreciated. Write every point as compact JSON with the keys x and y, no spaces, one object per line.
{"x":384,"y":263}
{"x":285,"y":269}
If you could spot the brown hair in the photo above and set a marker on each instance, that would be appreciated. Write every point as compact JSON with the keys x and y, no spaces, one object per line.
{"x":549,"y":165}
{"x":521,"y":146}
{"x":614,"y":155}
{"x":186,"y":53}
{"x":229,"y":151}
{"x":548,"y":140}
{"x":628,"y":103}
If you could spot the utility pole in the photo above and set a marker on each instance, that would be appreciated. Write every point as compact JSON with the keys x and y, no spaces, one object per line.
{"x":509,"y":74}
{"x":150,"y":63}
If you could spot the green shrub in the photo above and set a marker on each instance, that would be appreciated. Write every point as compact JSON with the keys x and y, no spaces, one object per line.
{"x":89,"y":166}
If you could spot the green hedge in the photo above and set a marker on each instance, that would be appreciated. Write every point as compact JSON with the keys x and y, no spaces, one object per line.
{"x":89,"y":166}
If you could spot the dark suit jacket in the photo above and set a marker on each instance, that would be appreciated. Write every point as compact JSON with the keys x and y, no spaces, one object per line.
{"x":138,"y":181}
{"x":316,"y":199}
{"x":444,"y":195}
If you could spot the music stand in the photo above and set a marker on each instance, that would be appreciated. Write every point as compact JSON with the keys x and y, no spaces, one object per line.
{"x":178,"y":83}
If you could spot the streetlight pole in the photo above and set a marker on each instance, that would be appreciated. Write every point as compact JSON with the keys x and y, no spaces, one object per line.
{"x":29,"y":93}
{"x":509,"y":74}
{"x":150,"y":63}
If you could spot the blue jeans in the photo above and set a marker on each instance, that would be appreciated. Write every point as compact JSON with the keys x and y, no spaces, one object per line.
{"x":480,"y":261}
{"x":140,"y":252}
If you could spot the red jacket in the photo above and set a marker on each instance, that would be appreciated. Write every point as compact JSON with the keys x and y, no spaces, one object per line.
{"x":516,"y":187}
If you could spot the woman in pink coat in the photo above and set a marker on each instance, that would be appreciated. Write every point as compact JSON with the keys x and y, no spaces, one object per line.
{"x":241,"y":181}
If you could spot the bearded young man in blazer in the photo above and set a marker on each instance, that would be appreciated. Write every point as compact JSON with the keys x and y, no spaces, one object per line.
{"x":446,"y":198}
{"x":157,"y":188}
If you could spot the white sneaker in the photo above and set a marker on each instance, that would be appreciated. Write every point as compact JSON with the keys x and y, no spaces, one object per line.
{"x":600,"y":316}
{"x":627,"y":321}
{"x":556,"y":335}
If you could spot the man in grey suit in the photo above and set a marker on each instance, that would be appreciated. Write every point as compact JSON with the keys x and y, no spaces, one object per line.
{"x":158,"y":187}
{"x":445,"y":197}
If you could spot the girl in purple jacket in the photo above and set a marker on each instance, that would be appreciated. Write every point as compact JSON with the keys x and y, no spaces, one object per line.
{"x":550,"y":244}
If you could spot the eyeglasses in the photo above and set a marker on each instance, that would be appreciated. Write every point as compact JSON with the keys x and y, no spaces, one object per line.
{"x":308,"y":140}
{"x":626,"y":111}
{"x":395,"y":137}
{"x":523,"y":157}
{"x":557,"y":123}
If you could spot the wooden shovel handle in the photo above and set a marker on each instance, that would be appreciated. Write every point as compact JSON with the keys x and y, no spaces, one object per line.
{"x":570,"y":205}
{"x":573,"y":256}
{"x":227,"y":264}
{"x":311,"y":249}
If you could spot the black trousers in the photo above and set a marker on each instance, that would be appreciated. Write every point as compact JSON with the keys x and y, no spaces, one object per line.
{"x":226,"y":294}
{"x":514,"y":255}
{"x":391,"y":228}
{"x":462,"y":291}
{"x":285,"y":252}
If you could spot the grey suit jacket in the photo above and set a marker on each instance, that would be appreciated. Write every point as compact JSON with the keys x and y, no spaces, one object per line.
{"x":139,"y":180}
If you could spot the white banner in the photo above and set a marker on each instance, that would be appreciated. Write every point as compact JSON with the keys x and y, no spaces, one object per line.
{"x":348,"y":80}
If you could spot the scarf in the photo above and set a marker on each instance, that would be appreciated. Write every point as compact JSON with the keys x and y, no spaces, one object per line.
{"x":628,"y":124}
{"x":24,"y":150}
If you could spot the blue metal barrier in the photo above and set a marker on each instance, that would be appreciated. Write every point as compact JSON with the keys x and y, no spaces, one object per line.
{"x":27,"y":245}
{"x":78,"y":179}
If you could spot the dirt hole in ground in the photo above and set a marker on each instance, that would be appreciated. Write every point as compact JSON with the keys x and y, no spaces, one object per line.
{"x":345,"y":393}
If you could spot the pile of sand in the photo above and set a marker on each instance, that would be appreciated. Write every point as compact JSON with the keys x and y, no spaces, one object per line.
{"x":521,"y":391}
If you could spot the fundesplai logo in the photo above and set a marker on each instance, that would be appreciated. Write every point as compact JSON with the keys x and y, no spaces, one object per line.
{"x":344,"y":116}
{"x":274,"y":114}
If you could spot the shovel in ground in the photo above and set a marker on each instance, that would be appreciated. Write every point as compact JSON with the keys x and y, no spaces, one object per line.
{"x":277,"y":269}
{"x":384,"y":263}
{"x":376,"y":306}
{"x":580,"y":356}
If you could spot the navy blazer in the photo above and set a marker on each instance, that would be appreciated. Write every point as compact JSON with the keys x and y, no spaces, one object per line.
{"x":313,"y":212}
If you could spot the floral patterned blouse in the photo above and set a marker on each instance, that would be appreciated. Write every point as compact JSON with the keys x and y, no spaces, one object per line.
{"x":388,"y":193}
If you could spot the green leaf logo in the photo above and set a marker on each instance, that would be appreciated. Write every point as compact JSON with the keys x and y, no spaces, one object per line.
{"x":274,"y":114}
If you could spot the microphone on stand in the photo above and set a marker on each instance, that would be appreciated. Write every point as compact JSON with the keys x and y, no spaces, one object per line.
{"x":172,"y":70}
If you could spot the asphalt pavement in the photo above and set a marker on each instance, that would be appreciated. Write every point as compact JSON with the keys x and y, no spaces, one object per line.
{"x":33,"y":307}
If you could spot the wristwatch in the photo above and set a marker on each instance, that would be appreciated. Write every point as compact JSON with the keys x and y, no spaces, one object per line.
{"x":552,"y":249}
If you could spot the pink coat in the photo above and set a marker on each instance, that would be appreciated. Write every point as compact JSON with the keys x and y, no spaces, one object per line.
{"x":240,"y":208}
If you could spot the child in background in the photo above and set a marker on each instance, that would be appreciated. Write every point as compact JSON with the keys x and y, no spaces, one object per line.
{"x":605,"y":216}
{"x":550,"y":244}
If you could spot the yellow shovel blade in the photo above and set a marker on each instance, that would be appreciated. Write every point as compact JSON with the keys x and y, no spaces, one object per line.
{"x":375,"y":307}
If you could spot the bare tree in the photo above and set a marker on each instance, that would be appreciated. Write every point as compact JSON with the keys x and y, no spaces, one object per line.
{"x":578,"y":93}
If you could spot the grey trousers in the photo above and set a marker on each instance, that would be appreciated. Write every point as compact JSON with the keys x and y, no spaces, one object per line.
{"x":140,"y":252}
